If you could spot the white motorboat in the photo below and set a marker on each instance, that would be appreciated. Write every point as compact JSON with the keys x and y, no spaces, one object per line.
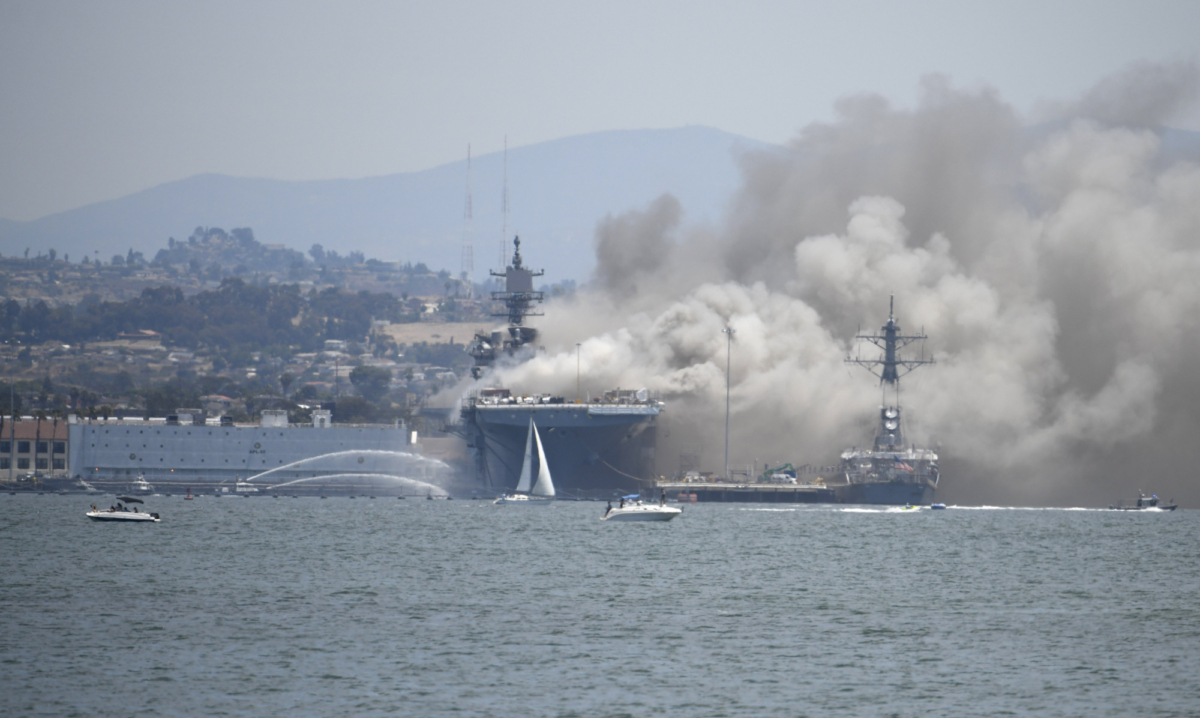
{"x":140,"y":486}
{"x":542,"y":492}
{"x":637,"y":511}
{"x":123,"y":513}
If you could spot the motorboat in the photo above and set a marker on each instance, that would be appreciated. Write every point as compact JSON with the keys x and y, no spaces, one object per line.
{"x":638,"y":511}
{"x":239,"y":488}
{"x":523,"y":500}
{"x":140,"y":486}
{"x":938,"y":507}
{"x":1145,"y":503}
{"x":122,"y":512}
{"x":542,"y":492}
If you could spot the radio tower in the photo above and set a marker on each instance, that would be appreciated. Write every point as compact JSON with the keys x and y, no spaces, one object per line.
{"x":504,"y":211}
{"x":468,"y":249}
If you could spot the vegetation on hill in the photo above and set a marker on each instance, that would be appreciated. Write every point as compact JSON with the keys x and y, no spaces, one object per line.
{"x":215,"y":253}
{"x":234,"y":317}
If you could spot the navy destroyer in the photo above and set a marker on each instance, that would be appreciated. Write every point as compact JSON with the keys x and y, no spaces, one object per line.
{"x":595,"y":447}
{"x":889,"y":472}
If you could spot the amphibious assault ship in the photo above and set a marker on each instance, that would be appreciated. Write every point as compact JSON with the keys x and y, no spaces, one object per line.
{"x":595,"y":447}
{"x":889,"y":472}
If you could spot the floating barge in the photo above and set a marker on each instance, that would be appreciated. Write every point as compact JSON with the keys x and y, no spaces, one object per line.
{"x":748,"y":493}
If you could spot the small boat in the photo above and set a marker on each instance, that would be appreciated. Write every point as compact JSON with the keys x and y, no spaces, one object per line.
{"x":637,"y":511}
{"x":140,"y":486}
{"x":1145,"y":503}
{"x":121,"y":512}
{"x":543,"y":490}
{"x":938,"y":507}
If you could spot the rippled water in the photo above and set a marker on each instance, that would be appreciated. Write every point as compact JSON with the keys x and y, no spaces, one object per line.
{"x":370,"y":607}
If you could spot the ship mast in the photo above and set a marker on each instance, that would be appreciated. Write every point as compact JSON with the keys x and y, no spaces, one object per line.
{"x":518,"y":295}
{"x":889,"y":368}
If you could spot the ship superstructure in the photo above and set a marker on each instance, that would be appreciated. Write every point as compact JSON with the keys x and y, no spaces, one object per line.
{"x":594,"y":446}
{"x":519,"y":298}
{"x":890,"y":471}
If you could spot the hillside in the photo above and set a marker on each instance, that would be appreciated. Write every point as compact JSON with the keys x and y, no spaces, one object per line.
{"x":558,"y":190}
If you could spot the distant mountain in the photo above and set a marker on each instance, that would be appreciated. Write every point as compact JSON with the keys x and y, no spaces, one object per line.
{"x":558,"y":190}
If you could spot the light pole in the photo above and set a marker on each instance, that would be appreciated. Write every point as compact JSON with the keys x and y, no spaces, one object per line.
{"x":578,"y":385}
{"x":728,"y":332}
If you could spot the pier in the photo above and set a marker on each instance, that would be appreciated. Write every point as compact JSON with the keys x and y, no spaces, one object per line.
{"x":748,"y":493}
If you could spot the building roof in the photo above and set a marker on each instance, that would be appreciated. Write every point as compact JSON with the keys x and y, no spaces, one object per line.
{"x":139,"y":334}
{"x":29,"y":429}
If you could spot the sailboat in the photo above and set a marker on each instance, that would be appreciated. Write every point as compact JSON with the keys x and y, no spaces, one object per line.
{"x":543,"y":488}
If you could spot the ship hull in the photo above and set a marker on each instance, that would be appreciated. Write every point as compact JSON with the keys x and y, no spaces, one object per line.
{"x":592,"y":451}
{"x":890,"y":493}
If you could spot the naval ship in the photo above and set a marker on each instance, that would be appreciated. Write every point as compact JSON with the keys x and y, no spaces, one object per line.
{"x":595,"y":447}
{"x":889,"y":472}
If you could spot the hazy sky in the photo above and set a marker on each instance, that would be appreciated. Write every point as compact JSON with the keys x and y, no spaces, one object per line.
{"x":100,"y":99}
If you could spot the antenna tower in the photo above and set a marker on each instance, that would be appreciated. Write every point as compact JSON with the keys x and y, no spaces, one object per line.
{"x":468,"y":249}
{"x":890,"y":367}
{"x":504,"y":211}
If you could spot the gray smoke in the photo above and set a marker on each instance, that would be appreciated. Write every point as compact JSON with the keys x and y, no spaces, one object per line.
{"x":1053,"y":268}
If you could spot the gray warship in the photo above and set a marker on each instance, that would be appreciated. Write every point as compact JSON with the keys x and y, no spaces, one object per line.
{"x":595,"y":447}
{"x":889,"y":472}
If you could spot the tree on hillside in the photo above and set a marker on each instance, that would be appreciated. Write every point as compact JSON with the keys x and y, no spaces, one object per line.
{"x":370,"y":381}
{"x":285,"y":381}
{"x":356,"y":410}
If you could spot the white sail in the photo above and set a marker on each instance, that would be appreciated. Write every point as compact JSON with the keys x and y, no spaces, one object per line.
{"x":544,"y":486}
{"x":526,"y":478}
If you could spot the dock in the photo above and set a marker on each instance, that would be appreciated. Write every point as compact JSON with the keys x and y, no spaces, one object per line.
{"x":748,"y":493}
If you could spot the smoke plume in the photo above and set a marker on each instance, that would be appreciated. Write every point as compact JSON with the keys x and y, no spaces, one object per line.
{"x":1054,"y":268}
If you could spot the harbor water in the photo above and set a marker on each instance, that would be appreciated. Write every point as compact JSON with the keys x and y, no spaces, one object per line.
{"x":289,"y":607}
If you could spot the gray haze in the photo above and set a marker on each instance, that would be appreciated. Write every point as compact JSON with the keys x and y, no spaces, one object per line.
{"x":99,"y":100}
{"x":557,"y":190}
{"x":1053,"y":268}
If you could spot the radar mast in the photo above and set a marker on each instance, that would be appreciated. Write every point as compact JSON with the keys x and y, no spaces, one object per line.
{"x":519,"y":299}
{"x":889,"y":368}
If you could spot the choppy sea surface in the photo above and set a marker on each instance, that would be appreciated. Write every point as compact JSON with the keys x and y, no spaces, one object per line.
{"x":288,"y":607}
